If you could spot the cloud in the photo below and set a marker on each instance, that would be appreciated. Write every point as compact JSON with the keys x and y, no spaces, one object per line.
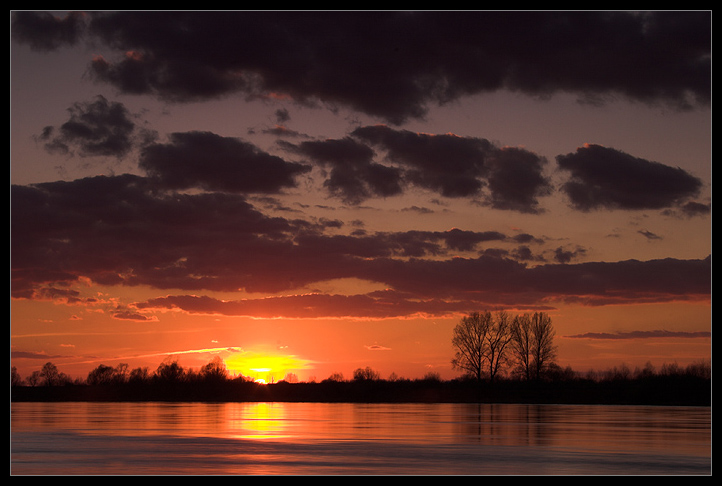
{"x":689,"y":210}
{"x":379,"y":305}
{"x":592,"y":283}
{"x":605,"y":178}
{"x":642,"y":335}
{"x":34,"y":355}
{"x":460,"y":285}
{"x":453,"y":166}
{"x":96,"y":128}
{"x":649,"y":235}
{"x":44,"y":31}
{"x":457,"y":166}
{"x":445,"y":163}
{"x":125,"y":314}
{"x":354,"y":177}
{"x":390,"y":64}
{"x":376,"y":347}
{"x":212,"y":162}
{"x":562,"y":255}
{"x":121,"y":230}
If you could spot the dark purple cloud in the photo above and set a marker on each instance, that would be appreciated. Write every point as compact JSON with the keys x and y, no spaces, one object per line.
{"x":592,"y":282}
{"x":378,"y":305}
{"x":445,"y":163}
{"x":642,"y":335}
{"x":689,"y":209}
{"x":97,"y":128}
{"x":390,"y":64}
{"x":44,"y":31}
{"x":601,"y":177}
{"x":212,"y":162}
{"x":354,"y":176}
{"x":454,"y":166}
{"x":122,"y":231}
{"x":462,"y":285}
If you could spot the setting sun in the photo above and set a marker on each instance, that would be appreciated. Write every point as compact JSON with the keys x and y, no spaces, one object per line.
{"x":264,"y":368}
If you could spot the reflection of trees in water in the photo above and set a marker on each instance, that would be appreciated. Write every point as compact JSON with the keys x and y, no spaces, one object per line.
{"x":507,"y":424}
{"x":591,"y":427}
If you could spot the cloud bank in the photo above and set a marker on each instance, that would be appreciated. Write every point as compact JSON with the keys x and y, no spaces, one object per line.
{"x":186,"y":220}
{"x":390,"y":64}
{"x":120,"y":230}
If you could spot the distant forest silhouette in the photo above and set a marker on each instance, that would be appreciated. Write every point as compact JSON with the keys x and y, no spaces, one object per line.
{"x":670,"y":385}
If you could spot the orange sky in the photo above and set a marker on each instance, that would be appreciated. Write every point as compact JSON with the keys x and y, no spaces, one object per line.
{"x":297,"y":208}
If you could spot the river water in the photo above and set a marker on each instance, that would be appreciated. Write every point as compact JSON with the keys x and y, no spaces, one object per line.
{"x":357,"y":439}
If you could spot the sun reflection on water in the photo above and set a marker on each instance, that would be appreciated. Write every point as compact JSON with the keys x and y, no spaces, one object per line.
{"x":258,"y":421}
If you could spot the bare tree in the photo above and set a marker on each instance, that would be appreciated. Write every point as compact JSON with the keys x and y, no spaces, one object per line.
{"x":521,"y":344}
{"x":481,"y":341}
{"x":533,"y":344}
{"x":497,"y":342}
{"x":469,"y":340}
{"x":544,"y":351}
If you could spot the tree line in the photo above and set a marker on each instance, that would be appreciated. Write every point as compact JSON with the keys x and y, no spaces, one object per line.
{"x":215,"y":372}
{"x":488,"y":345}
{"x":170,"y":371}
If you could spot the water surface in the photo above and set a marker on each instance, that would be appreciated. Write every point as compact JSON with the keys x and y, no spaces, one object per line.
{"x":84,"y":438}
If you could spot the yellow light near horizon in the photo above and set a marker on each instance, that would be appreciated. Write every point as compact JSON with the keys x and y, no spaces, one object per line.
{"x":264,"y":367}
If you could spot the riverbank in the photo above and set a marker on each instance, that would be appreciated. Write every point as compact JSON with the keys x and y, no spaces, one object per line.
{"x":674,"y":390}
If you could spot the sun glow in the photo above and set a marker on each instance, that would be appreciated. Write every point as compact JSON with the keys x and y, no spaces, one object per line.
{"x":264,"y":368}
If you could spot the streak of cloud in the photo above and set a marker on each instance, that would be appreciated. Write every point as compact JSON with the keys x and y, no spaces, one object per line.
{"x":642,"y":335}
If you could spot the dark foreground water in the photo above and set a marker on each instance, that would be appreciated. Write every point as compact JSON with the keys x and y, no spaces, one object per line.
{"x":357,"y":439}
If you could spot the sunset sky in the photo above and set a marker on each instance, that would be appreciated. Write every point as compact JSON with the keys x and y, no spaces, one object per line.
{"x":314,"y":192}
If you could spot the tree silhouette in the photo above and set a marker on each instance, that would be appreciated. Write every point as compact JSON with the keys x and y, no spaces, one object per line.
{"x":521,"y":345}
{"x":543,"y":351}
{"x":102,"y":375}
{"x":487,"y":343}
{"x":533,"y":344}
{"x":215,"y":370}
{"x":50,"y":374}
{"x":497,"y":341}
{"x":469,"y":340}
{"x":335,"y":377}
{"x":138,"y":375}
{"x":15,"y":378}
{"x":365,"y":374}
{"x":169,"y":371}
{"x":481,"y":341}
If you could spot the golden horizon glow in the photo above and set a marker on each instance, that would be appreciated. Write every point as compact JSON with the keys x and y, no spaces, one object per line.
{"x":264,"y":367}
